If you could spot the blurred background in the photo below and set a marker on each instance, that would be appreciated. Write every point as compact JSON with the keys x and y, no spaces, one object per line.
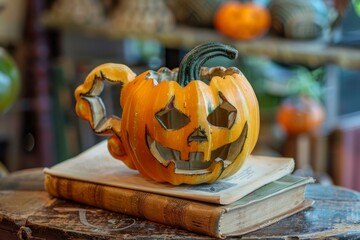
{"x":302,"y":58}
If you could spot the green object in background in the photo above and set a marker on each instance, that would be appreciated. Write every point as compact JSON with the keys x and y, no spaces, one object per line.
{"x":9,"y":81}
{"x":356,"y":4}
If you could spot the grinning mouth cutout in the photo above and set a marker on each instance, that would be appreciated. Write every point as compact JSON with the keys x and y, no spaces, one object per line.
{"x":196,"y":164}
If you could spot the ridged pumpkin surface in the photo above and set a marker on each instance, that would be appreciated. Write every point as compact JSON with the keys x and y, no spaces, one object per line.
{"x":192,"y":133}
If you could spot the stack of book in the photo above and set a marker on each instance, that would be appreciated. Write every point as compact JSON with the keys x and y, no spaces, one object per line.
{"x":261,"y":193}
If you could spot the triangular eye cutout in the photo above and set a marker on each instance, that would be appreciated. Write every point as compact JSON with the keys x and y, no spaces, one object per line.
{"x":171,"y":118}
{"x":224,"y":115}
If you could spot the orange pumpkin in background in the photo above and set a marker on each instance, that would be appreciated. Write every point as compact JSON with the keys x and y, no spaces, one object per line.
{"x":300,"y":114}
{"x":189,"y":125}
{"x":242,"y":21}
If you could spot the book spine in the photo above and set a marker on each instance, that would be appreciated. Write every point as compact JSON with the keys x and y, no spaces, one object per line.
{"x":185,"y":214}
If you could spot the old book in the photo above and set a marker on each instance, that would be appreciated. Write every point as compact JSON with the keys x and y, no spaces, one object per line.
{"x":260,"y":194}
{"x":96,"y":165}
{"x":336,"y":215}
{"x":258,"y":209}
{"x":37,"y":215}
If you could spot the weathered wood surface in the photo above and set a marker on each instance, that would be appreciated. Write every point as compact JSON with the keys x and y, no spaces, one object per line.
{"x":36,"y":215}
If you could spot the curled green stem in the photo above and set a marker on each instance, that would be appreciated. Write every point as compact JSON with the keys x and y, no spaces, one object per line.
{"x":190,"y":66}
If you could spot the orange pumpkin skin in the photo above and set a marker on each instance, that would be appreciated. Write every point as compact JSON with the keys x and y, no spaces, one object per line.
{"x":147,"y":100}
{"x":182,"y":149}
{"x":242,"y":21}
{"x":300,"y":115}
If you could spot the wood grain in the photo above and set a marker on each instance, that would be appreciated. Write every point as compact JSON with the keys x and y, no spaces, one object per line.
{"x":335,"y":214}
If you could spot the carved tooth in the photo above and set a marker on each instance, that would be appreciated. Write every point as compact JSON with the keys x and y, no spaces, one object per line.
{"x":182,"y":165}
{"x":196,"y":160}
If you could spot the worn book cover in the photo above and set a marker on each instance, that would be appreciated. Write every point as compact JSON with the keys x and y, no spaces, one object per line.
{"x":335,"y":215}
{"x":258,"y":209}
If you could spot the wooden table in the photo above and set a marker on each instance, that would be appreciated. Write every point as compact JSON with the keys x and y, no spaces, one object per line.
{"x":33,"y":214}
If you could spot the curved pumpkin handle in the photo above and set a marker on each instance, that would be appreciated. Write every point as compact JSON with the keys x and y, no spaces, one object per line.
{"x":90,"y":106}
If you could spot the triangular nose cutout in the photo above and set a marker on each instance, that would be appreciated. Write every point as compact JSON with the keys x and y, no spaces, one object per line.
{"x":198,"y":135}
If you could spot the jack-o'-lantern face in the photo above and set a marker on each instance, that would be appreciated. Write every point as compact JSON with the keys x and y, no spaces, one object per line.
{"x":196,"y":129}
{"x":193,"y":130}
{"x":200,"y":151}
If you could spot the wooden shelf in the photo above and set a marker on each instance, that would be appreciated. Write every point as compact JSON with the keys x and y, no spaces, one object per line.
{"x":310,"y":53}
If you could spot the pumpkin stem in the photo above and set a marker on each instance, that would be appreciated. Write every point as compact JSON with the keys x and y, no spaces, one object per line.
{"x":191,"y":64}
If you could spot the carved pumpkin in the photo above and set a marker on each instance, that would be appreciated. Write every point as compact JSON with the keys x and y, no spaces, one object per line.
{"x":300,"y":114}
{"x":188,"y":125}
{"x":243,"y":21}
